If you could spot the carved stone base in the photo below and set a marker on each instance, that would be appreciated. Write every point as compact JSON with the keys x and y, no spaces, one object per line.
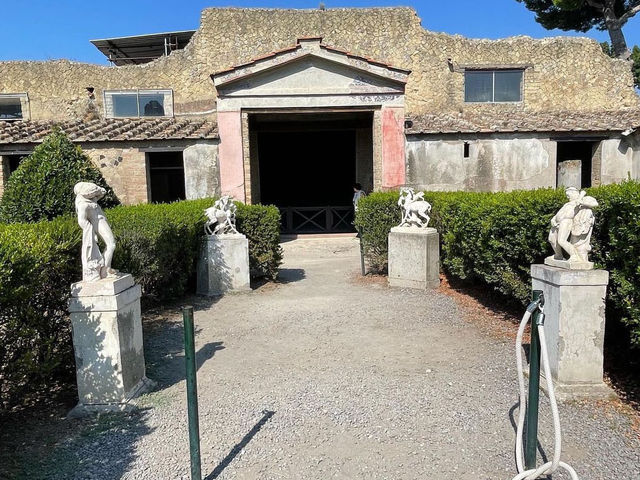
{"x":568,"y":264}
{"x":574,"y":328}
{"x":223,"y":264}
{"x":414,"y":257}
{"x":107,"y":341}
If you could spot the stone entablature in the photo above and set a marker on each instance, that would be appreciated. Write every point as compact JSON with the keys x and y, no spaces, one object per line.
{"x":562,"y":73}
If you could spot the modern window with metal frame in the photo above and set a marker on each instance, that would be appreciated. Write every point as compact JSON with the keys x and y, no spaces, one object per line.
{"x":11,"y":106}
{"x":493,"y":86}
{"x":138,"y":103}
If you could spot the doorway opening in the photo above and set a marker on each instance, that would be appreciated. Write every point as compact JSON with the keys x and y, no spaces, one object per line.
{"x":166,"y":177}
{"x":306,"y":165}
{"x":575,"y":163}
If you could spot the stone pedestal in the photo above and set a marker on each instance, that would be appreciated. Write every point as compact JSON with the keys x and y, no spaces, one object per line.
{"x":414,"y":257}
{"x":223,"y":264}
{"x":107,"y":340}
{"x":574,"y":306}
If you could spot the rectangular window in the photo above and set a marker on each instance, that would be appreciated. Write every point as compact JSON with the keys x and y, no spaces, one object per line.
{"x":11,"y":106}
{"x":493,"y":86}
{"x":138,"y":103}
{"x":166,"y":175}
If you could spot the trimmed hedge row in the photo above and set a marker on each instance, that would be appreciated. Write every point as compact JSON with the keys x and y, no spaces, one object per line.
{"x":493,"y":238}
{"x":158,"y":244}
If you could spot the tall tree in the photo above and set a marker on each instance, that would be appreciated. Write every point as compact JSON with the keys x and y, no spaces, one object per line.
{"x":583,"y":15}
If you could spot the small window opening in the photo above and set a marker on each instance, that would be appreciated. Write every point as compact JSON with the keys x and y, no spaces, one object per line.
{"x":11,"y":107}
{"x":466,"y":149}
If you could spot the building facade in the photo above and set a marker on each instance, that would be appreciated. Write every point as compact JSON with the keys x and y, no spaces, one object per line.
{"x":292,"y":106}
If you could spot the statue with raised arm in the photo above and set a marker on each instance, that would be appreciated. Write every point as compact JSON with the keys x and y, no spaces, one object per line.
{"x":93,"y":222}
{"x":415,"y":209}
{"x":570,"y":234}
{"x":221,"y":217}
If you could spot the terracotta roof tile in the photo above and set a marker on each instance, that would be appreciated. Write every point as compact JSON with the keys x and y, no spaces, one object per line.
{"x":112,"y":129}
{"x":523,"y":121}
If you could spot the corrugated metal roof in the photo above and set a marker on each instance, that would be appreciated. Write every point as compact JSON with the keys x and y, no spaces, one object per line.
{"x":139,"y":49}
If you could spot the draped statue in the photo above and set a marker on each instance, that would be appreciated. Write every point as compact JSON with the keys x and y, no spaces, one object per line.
{"x":92,"y":221}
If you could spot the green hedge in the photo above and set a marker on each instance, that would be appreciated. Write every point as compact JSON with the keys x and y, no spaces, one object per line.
{"x":493,"y":238}
{"x":158,"y":244}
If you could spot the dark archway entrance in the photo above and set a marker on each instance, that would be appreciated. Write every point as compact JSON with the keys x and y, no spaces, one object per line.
{"x":307,"y":164}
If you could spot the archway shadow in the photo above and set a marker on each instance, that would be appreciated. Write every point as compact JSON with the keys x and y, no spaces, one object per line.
{"x":237,"y":448}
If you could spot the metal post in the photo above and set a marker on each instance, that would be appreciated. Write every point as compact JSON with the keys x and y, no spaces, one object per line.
{"x":363,"y":269}
{"x":531,"y":434}
{"x":192,"y":392}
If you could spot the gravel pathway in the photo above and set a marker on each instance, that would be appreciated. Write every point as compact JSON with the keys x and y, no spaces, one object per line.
{"x":327,"y":376}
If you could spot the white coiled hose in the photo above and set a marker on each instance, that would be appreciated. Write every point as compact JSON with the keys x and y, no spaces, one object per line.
{"x":549,"y":467}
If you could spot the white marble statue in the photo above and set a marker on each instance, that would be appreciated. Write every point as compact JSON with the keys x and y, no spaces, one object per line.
{"x":571,"y":228}
{"x":91,"y":218}
{"x":222,"y":217}
{"x":415,"y":209}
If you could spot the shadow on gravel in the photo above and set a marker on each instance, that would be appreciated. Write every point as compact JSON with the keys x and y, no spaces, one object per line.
{"x":237,"y":448}
{"x":101,"y":447}
{"x":514,"y":425}
{"x":290,"y":275}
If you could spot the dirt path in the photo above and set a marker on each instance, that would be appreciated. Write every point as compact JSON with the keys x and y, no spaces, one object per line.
{"x":328,"y":376}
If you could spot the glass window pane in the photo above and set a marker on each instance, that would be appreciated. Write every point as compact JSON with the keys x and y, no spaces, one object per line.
{"x":151,"y":104}
{"x":478,"y":86}
{"x":10,"y":108}
{"x":125,"y":105}
{"x":508,"y":86}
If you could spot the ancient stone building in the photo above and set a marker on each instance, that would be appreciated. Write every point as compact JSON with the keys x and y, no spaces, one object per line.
{"x":292,"y":106}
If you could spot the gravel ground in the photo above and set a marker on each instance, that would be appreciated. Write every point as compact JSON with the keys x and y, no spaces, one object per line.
{"x":326,"y":376}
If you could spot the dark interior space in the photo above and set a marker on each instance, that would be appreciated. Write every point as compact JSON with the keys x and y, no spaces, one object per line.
{"x":307,"y":167}
{"x":578,"y":150}
{"x":166,"y":176}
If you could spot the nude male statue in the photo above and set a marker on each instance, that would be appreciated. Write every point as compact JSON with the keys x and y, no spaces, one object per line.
{"x":562,"y":224}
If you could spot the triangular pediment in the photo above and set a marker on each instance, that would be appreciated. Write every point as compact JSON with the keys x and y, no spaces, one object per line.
{"x":310,"y":69}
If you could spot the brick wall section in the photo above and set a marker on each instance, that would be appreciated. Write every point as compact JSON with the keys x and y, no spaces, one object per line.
{"x":567,"y":73}
{"x":125,"y":171}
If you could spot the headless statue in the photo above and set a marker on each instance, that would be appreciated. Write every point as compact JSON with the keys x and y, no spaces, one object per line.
{"x":93,"y":223}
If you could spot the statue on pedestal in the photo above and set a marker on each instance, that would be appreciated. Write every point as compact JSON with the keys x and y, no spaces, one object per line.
{"x":93,"y":222}
{"x":415,"y":209}
{"x":570,"y":234}
{"x":221,"y":217}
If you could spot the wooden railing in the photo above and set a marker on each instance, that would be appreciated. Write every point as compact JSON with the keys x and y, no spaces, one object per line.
{"x":329,"y":219}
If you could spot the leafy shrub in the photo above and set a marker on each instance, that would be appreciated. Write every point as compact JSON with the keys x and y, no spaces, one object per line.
{"x":493,"y":238}
{"x":42,"y":186}
{"x":261,"y":225}
{"x":158,"y":244}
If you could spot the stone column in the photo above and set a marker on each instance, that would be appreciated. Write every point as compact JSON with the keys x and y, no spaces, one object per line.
{"x":574,"y":307}
{"x":414,"y":257}
{"x":223,"y":264}
{"x":107,"y":340}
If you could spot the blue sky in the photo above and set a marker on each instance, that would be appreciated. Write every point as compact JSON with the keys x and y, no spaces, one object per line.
{"x":50,"y":29}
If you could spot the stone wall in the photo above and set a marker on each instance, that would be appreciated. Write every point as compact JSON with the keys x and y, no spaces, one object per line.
{"x":503,"y":162}
{"x":562,"y":73}
{"x":125,"y":170}
{"x":495,"y":163}
{"x":617,"y":160}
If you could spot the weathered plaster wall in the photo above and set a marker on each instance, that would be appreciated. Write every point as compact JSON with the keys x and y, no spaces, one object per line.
{"x":566,"y":73}
{"x":201,"y":172}
{"x":495,"y":163}
{"x":617,"y":160}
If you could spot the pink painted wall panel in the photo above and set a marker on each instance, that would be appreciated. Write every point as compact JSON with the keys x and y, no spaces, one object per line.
{"x":230,"y":154}
{"x":393,"y":160}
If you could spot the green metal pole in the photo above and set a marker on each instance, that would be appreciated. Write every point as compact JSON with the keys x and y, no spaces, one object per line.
{"x":192,"y":392}
{"x":362,"y":266}
{"x":531,"y":434}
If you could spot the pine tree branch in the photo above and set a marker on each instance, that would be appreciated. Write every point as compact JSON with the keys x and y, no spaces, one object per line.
{"x":633,"y":9}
